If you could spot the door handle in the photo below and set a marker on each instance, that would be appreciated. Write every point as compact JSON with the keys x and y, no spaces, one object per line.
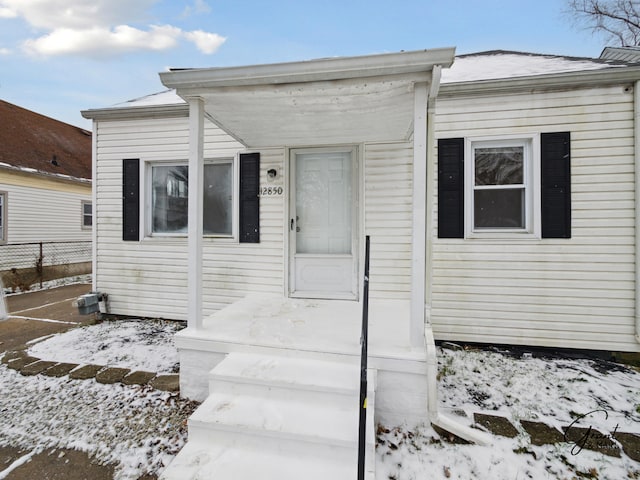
{"x":292,"y":224}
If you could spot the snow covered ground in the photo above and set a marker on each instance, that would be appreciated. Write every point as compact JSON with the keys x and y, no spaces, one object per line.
{"x":146,"y":345}
{"x":140,"y":429}
{"x":553,"y":391}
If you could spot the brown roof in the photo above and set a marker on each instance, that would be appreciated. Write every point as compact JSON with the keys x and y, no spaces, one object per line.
{"x":31,"y":140}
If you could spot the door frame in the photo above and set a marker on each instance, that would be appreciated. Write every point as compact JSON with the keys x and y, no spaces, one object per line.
{"x":356,"y":221}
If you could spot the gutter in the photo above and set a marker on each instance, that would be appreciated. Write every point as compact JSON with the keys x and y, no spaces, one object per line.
{"x":446,"y":423}
{"x":43,"y":174}
{"x":636,"y":118}
{"x":146,"y":111}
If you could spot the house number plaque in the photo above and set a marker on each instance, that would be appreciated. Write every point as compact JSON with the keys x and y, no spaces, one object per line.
{"x":270,"y":191}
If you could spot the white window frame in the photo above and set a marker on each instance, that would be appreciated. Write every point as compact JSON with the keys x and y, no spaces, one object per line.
{"x":147,"y":195}
{"x":531,"y":172}
{"x":3,"y":220}
{"x":83,"y":215}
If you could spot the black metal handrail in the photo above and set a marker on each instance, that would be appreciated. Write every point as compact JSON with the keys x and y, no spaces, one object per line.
{"x":364,"y":341}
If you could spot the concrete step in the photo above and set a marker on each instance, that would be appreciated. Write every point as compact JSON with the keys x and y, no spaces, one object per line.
{"x":277,"y":417}
{"x":249,"y":420}
{"x":290,"y":372}
{"x":203,"y":460}
{"x":306,"y":380}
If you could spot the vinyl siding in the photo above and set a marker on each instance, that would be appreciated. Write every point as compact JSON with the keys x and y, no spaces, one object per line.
{"x":388,"y":216}
{"x":576,"y":292}
{"x":43,"y":210}
{"x":149,"y":278}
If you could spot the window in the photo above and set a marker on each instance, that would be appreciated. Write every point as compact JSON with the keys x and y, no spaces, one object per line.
{"x":516,"y":186}
{"x":500,"y":192}
{"x":3,"y":217}
{"x":169,"y":186}
{"x":87,"y":215}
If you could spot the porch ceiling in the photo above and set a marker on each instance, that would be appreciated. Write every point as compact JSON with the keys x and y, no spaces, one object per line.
{"x":329,"y":101}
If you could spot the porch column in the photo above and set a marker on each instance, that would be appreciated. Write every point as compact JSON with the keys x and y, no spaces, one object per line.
{"x":418,"y":265}
{"x":195,"y":209}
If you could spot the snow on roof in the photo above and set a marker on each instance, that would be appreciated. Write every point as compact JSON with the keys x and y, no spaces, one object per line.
{"x":496,"y":65}
{"x":491,"y":65}
{"x":166,"y":97}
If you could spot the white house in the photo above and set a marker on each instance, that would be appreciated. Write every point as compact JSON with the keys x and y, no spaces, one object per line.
{"x":497,"y":189}
{"x":45,"y":190}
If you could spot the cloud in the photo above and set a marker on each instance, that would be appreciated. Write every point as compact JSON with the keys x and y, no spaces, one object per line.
{"x":4,"y":51}
{"x":99,"y":41}
{"x":99,"y":28}
{"x":54,"y":14}
{"x":206,"y":42}
{"x":199,"y":6}
{"x":7,"y":12}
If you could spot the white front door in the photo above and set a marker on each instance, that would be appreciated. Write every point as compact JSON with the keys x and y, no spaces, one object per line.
{"x":323,"y":223}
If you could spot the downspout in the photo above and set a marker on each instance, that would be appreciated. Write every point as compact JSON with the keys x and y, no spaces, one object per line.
{"x":437,"y":418}
{"x":636,"y":126}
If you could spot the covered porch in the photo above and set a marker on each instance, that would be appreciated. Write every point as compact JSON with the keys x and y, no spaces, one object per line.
{"x":280,"y":372}
{"x":335,"y":103}
{"x":349,"y":105}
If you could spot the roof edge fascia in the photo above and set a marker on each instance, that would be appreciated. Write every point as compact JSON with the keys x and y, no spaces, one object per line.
{"x":559,"y":80}
{"x":311,"y":70}
{"x":147,"y":111}
{"x":45,"y":175}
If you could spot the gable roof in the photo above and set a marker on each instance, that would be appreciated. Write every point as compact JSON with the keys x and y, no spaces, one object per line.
{"x":34,"y":143}
{"x":468,"y":71}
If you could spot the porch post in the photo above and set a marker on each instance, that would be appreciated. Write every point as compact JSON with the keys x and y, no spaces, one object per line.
{"x":418,"y":265}
{"x":195,"y":209}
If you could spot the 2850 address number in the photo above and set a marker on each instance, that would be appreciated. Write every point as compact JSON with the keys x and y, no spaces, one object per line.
{"x":266,"y":191}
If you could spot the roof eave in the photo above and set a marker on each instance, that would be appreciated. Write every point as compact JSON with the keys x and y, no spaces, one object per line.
{"x":127,"y":113}
{"x":47,"y":175}
{"x":583,"y":78}
{"x":310,"y":71}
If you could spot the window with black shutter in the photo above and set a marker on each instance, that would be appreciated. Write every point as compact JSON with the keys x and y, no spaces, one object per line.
{"x":494,"y":191}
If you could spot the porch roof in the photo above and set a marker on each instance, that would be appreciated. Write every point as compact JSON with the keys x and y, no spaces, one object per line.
{"x":327,"y":101}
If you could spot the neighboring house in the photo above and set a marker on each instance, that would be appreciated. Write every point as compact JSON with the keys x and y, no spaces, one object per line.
{"x":45,"y":184}
{"x":498,"y":191}
{"x":45,"y":178}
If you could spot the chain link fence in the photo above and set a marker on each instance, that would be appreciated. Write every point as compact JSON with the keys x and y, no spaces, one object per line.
{"x":24,"y":264}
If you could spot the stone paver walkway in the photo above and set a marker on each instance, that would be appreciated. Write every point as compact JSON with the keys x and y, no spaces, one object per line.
{"x":20,"y":361}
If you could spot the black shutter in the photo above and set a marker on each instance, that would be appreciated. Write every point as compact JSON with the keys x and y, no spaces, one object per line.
{"x":451,"y":188}
{"x":249,"y":198}
{"x":131,"y":199}
{"x":555,"y":165}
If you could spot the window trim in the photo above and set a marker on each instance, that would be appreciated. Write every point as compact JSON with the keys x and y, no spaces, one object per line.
{"x":531,"y":144}
{"x":148,"y":207}
{"x":4,"y":196}
{"x":83,"y":215}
